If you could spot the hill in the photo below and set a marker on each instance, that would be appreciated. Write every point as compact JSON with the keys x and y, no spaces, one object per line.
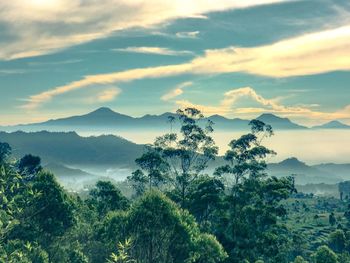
{"x":69,"y":148}
{"x":279,"y":123}
{"x":304,"y":174}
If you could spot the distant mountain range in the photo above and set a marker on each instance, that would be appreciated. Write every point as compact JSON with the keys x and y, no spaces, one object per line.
{"x":304,"y":174}
{"x":104,"y":119}
{"x":69,"y":155}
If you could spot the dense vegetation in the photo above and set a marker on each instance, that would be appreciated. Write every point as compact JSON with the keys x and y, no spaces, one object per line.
{"x":176,"y":212}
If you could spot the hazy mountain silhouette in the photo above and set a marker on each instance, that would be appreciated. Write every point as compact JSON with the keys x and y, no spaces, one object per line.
{"x":279,"y":123}
{"x":304,"y":173}
{"x":332,"y":125}
{"x":70,"y":148}
{"x":105,"y":118}
{"x":61,"y":170}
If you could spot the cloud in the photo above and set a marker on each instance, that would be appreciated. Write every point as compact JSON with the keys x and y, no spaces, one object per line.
{"x":303,"y":55}
{"x":179,"y":89}
{"x":193,"y":34}
{"x":154,"y":50}
{"x":312,"y":53}
{"x":108,"y":94}
{"x":12,"y":71}
{"x":62,"y":62}
{"x":37,"y":100}
{"x":29,"y":28}
{"x":228,"y":107}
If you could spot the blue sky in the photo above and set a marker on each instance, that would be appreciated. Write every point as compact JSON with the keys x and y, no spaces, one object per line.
{"x":237,"y":58}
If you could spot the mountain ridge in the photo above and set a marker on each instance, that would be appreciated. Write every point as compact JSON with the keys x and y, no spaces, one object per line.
{"x":105,"y":117}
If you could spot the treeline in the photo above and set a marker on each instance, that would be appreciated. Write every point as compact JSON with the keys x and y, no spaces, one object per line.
{"x":176,"y":213}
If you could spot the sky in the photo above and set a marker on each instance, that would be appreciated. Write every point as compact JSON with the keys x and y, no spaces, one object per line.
{"x":236,"y":58}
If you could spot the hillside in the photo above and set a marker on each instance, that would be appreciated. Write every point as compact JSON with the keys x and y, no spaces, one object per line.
{"x":304,"y":174}
{"x":70,"y":148}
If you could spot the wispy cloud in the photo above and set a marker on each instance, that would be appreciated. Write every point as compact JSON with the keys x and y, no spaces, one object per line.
{"x":108,"y":95}
{"x":33,"y":24}
{"x":228,"y":107}
{"x":313,"y":53}
{"x":177,"y":91}
{"x":12,"y":71}
{"x":155,"y":50}
{"x":193,"y":34}
{"x":62,"y":62}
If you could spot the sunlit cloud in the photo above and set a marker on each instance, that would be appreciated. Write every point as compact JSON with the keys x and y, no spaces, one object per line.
{"x":33,"y":23}
{"x":108,"y":95}
{"x":303,"y":55}
{"x":154,"y":50}
{"x":313,"y":53}
{"x":177,"y":91}
{"x":228,"y":107}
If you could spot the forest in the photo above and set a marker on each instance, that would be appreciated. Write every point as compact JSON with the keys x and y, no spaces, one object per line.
{"x":170,"y":210}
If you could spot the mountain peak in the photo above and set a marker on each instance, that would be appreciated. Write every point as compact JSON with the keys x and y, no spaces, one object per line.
{"x":291,"y":160}
{"x":278,"y":122}
{"x":270,"y":116}
{"x":335,"y":124}
{"x":103,"y":110}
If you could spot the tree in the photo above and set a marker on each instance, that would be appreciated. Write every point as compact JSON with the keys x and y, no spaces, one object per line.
{"x":205,"y":197}
{"x":77,"y":256}
{"x":107,"y":197}
{"x":29,"y":165}
{"x":325,"y":255}
{"x":210,"y":250}
{"x":53,"y":209}
{"x":163,"y":233}
{"x":139,"y":182}
{"x":299,"y":259}
{"x":153,"y":164}
{"x":246,"y":154}
{"x":332,"y":220}
{"x":252,"y":230}
{"x":171,"y":120}
{"x":188,"y":152}
{"x":337,"y":241}
{"x":5,"y":152}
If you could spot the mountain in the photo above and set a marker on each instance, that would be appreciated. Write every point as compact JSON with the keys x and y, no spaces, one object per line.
{"x":332,"y":125}
{"x":63,"y":171}
{"x":342,"y":170}
{"x":303,"y":173}
{"x":279,"y":123}
{"x":102,"y":116}
{"x":69,"y":148}
{"x":104,"y":119}
{"x":223,"y":123}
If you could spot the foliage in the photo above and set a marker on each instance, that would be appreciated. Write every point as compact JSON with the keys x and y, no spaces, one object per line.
{"x":325,"y":255}
{"x":187,"y":153}
{"x":123,"y":253}
{"x":107,"y":197}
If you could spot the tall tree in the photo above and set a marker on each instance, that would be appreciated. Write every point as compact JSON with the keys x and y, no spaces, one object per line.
{"x":252,"y":231}
{"x":188,"y":151}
